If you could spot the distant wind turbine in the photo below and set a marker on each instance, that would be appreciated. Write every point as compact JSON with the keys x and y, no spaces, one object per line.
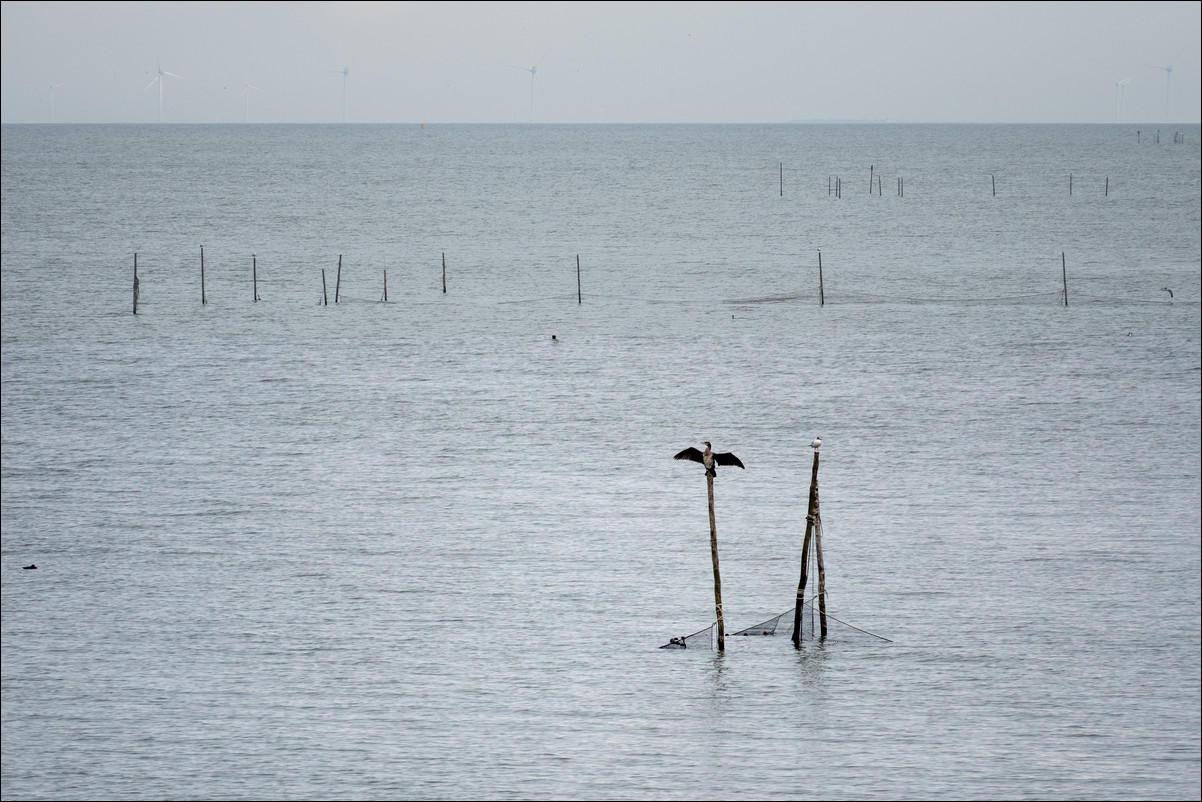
{"x":160,"y":79}
{"x":346,"y":73}
{"x":52,"y":88}
{"x":533,"y":74}
{"x":1120,"y":98}
{"x":1168,"y":75}
{"x":246,"y":89}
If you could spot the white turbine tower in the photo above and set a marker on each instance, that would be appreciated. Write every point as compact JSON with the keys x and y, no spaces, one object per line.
{"x":1168,"y":75}
{"x":533,"y":74}
{"x":160,"y":78}
{"x":1120,"y":98}
{"x":52,"y":88}
{"x":246,"y":90}
{"x":346,"y":73}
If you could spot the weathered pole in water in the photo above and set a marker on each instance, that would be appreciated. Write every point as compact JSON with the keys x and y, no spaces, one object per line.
{"x":254,"y":272}
{"x":709,"y":483}
{"x":325,"y":294}
{"x":1070,"y":183}
{"x":782,"y":179}
{"x":1107,"y":186}
{"x":821,"y":565}
{"x":444,"y":271}
{"x":993,"y":178}
{"x":135,"y":283}
{"x":1064,"y":277}
{"x":805,"y":552}
{"x":385,"y":286}
{"x":202,"y":276}
{"x":579,"y":298}
{"x":338,"y":280}
{"x":821,"y":292}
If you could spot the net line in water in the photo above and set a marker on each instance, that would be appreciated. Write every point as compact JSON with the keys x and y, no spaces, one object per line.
{"x":781,"y":624}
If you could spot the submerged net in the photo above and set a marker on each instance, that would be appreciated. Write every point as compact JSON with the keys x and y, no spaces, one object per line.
{"x":781,"y":625}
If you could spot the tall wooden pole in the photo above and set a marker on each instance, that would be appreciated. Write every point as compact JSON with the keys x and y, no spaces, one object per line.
{"x":203,"y":301}
{"x":821,"y":292}
{"x":870,"y":169}
{"x":444,"y":271}
{"x":385,"y":286}
{"x":325,"y":294}
{"x":709,"y":481}
{"x":254,"y":271}
{"x":338,"y":280}
{"x":1064,"y":277}
{"x":135,"y":284}
{"x":818,"y":557}
{"x":782,"y":179}
{"x":805,"y":553}
{"x":579,"y":297}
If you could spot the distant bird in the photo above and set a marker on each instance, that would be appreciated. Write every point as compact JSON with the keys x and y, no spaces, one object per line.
{"x":708,"y":458}
{"x":1170,"y":292}
{"x":817,"y":444}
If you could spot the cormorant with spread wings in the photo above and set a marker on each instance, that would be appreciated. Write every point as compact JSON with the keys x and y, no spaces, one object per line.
{"x":709,"y":458}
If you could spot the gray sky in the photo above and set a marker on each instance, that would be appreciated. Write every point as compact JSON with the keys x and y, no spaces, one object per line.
{"x":645,"y":62}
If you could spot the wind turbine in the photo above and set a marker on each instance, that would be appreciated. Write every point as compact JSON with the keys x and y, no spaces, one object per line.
{"x":246,"y":94}
{"x":160,"y":79}
{"x":1120,"y":92}
{"x":1168,"y":75}
{"x":533,"y":74}
{"x":346,"y":73}
{"x":52,"y":88}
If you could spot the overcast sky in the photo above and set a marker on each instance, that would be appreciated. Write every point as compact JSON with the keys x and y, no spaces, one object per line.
{"x":645,"y":62}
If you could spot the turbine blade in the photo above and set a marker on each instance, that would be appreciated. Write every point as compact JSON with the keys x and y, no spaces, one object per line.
{"x":173,"y":75}
{"x":152,"y":82}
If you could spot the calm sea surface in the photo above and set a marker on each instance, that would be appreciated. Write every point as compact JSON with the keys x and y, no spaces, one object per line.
{"x":419,"y":549}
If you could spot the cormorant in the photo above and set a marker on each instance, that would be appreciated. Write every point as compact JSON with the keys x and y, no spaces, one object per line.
{"x":709,"y":459}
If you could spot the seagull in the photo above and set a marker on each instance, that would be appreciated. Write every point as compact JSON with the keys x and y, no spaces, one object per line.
{"x":817,"y":444}
{"x":708,"y":458}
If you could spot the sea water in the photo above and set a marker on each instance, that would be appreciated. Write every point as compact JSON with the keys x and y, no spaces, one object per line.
{"x":323,"y":545}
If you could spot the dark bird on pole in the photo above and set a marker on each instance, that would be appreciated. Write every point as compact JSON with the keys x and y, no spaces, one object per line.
{"x":709,"y":459}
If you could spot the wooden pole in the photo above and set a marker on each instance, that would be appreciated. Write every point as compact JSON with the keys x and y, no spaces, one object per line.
{"x":870,"y":169}
{"x":828,"y":185}
{"x":782,"y":179}
{"x":993,"y":178}
{"x":1070,"y":183}
{"x":325,"y":294}
{"x":709,"y":481}
{"x":338,"y":280}
{"x":1107,"y":186}
{"x":818,"y":556}
{"x":579,"y":298}
{"x":805,"y":552}
{"x":821,"y":292}
{"x":203,"y":301}
{"x":254,"y":271}
{"x":444,"y":271}
{"x":135,"y":283}
{"x":1064,"y":277}
{"x":879,"y":192}
{"x":385,"y":286}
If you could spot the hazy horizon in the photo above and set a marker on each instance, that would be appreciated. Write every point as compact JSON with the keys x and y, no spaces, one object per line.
{"x":423,"y":62}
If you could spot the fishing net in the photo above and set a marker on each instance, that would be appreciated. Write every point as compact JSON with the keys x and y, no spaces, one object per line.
{"x":702,"y":639}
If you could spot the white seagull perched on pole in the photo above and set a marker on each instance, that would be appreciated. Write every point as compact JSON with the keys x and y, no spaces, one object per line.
{"x":817,"y":444}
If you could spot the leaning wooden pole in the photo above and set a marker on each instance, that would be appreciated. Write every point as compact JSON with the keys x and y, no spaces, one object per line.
{"x":338,"y":279}
{"x":385,"y":286}
{"x":444,"y":271}
{"x":1064,"y":277}
{"x":709,"y":481}
{"x":325,"y":294}
{"x":818,"y":559}
{"x":805,"y":553}
{"x":203,"y":301}
{"x":135,"y":284}
{"x":821,"y":291}
{"x":579,"y":297}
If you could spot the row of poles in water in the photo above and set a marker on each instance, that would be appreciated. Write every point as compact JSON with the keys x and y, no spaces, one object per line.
{"x":834,"y":184}
{"x":325,"y":296}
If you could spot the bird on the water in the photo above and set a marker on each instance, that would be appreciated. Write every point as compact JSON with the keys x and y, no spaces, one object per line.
{"x":709,"y":458}
{"x":817,"y":444}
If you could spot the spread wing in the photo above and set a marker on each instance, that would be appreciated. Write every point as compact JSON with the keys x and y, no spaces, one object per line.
{"x":727,"y":458}
{"x":691,"y":453}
